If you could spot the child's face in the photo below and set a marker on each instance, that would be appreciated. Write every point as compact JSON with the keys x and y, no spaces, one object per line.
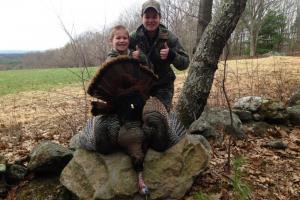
{"x":120,"y":41}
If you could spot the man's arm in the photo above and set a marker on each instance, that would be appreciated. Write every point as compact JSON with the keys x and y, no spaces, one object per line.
{"x":177,"y":55}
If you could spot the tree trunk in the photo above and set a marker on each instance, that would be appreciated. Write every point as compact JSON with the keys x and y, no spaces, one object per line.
{"x":253,"y":42}
{"x":200,"y":77}
{"x":204,"y":17}
{"x":297,"y":28}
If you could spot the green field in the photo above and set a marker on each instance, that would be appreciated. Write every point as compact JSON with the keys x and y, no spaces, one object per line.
{"x":14,"y":81}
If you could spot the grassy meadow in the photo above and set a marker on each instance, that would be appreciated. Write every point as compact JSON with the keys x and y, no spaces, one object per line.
{"x":274,"y":77}
{"x":14,"y":81}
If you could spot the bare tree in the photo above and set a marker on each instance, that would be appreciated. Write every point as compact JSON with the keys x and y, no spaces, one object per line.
{"x":204,"y":16}
{"x":253,"y":19}
{"x":131,"y":18}
{"x":200,"y":77}
{"x":297,"y":27}
{"x":180,"y":16}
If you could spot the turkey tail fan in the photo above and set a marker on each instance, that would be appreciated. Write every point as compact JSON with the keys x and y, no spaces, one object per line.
{"x":120,"y":76}
{"x":176,"y":129}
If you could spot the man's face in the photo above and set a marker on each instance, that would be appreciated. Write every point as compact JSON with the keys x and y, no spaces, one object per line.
{"x":151,"y":20}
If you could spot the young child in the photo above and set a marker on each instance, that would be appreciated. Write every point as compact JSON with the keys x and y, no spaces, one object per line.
{"x":119,"y":39}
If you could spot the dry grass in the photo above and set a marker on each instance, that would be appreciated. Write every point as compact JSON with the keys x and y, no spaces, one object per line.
{"x":57,"y":114}
{"x":273,"y":77}
{"x":30,"y":117}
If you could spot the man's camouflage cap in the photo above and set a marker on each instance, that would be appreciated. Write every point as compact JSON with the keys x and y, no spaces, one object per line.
{"x":151,"y":4}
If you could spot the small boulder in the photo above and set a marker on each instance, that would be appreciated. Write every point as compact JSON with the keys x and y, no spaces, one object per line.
{"x":260,"y":129}
{"x":295,"y":99}
{"x":273,"y":112}
{"x":249,"y":103}
{"x":3,"y":163}
{"x":276,"y":144}
{"x":216,"y":120}
{"x":15,"y":173}
{"x":294,"y":114}
{"x":244,"y":115}
{"x":49,"y":157}
{"x":3,"y":169}
{"x":202,"y":127}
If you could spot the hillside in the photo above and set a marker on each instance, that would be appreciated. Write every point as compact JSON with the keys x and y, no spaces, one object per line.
{"x":10,"y":60}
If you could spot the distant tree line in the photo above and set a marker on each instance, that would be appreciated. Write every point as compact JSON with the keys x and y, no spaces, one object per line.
{"x":267,"y":26}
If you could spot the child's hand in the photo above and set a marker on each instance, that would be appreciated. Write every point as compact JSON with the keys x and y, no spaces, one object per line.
{"x":136,"y":54}
{"x":164,"y":52}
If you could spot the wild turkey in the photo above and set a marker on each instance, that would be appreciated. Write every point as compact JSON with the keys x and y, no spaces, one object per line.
{"x":126,"y":118}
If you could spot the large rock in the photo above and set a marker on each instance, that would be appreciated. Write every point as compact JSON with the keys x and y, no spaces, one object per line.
{"x":295,"y":99}
{"x":213,"y":121}
{"x":15,"y":173}
{"x":49,"y":157}
{"x":250,"y":103}
{"x":3,"y":163}
{"x":273,"y":112}
{"x":244,"y":115}
{"x":294,"y":114}
{"x":168,"y":175}
{"x":3,"y":169}
{"x":261,"y":110}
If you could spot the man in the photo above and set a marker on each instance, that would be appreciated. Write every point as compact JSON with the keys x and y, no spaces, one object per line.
{"x":162,"y":49}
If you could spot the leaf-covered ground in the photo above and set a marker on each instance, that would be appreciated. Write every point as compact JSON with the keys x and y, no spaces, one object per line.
{"x":30,"y":117}
{"x":270,"y":174}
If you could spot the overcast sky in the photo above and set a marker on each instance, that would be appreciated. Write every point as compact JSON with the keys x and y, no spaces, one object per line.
{"x":34,"y":24}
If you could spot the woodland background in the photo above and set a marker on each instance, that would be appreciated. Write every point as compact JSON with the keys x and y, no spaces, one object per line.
{"x":266,"y":27}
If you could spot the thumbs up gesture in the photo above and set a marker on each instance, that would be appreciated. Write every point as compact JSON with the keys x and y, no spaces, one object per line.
{"x":164,"y":52}
{"x":137,"y":53}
